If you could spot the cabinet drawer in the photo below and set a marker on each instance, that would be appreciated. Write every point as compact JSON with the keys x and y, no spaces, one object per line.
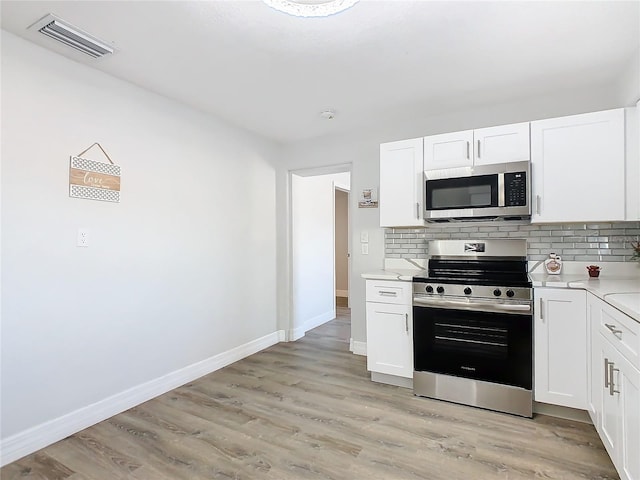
{"x":389,"y":291}
{"x":623,"y":332}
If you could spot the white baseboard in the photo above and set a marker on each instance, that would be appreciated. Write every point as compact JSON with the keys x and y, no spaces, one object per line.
{"x":357,"y":348}
{"x":320,"y":320}
{"x":299,"y":332}
{"x":28,"y":441}
{"x":342,"y":293}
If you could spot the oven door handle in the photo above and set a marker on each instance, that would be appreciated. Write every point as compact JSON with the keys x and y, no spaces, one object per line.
{"x":477,"y":306}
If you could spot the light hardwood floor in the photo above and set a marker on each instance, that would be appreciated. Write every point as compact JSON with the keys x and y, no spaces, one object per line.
{"x":307,"y":410}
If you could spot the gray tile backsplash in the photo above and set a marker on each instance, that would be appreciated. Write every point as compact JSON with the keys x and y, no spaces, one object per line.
{"x":590,"y":242}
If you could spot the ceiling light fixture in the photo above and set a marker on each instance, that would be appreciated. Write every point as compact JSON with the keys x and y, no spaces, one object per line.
{"x":311,"y":8}
{"x":73,"y":37}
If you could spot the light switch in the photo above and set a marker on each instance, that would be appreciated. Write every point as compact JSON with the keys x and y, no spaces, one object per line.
{"x":365,"y":248}
{"x":364,"y":236}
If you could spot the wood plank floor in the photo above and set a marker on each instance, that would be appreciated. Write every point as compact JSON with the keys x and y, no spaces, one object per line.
{"x":307,"y":410}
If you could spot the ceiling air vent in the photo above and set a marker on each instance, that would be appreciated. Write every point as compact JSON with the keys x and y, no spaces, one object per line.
{"x":71,"y":36}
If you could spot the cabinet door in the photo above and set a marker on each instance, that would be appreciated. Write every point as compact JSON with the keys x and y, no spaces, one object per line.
{"x":595,"y":370}
{"x":629,"y":391}
{"x":401,"y":184}
{"x":502,"y":144}
{"x":448,"y":150}
{"x":390,"y":339}
{"x":578,"y":168}
{"x":560,"y":347}
{"x":611,"y":421}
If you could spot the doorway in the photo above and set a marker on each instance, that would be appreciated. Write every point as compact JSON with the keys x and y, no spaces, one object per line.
{"x":313,"y":247}
{"x":341,"y":241}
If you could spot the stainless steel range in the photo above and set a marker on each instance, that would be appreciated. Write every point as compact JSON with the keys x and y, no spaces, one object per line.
{"x":473,"y":325}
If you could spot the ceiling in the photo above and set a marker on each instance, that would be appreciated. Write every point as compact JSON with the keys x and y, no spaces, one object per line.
{"x":273,"y":74}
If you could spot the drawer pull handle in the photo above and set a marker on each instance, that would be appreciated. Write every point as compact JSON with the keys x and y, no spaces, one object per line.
{"x":467,"y":150}
{"x":612,"y":387}
{"x":478,"y":148}
{"x":542,"y":309}
{"x":386,"y":293}
{"x":606,"y":373}
{"x":613,"y":329}
{"x":406,"y":322}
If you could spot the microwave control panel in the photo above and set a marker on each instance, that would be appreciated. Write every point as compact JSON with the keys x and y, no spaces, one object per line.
{"x":515,"y":189}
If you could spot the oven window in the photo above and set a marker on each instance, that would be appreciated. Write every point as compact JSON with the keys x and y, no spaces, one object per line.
{"x":494,"y":347}
{"x":464,"y":192}
{"x":483,"y":340}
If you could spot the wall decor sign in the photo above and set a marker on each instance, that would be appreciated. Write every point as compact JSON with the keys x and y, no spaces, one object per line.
{"x":94,"y":180}
{"x":368,"y":198}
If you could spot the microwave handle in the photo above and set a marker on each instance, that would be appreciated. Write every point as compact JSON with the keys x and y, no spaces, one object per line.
{"x":418,"y":210}
{"x":501,"y":191}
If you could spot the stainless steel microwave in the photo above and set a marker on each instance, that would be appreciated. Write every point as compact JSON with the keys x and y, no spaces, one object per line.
{"x":486,"y":192}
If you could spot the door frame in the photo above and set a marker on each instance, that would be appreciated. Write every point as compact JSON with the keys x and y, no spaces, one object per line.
{"x":288,"y":335}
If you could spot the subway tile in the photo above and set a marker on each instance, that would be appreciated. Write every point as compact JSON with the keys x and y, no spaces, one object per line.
{"x":468,"y":229}
{"x":539,"y":245}
{"x":509,"y":228}
{"x":529,"y":228}
{"x":612,"y":231}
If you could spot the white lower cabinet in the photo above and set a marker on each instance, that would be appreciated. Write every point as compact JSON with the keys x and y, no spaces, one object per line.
{"x":594,"y":362}
{"x":389,"y":328}
{"x":615,"y":386}
{"x":560,"y":345}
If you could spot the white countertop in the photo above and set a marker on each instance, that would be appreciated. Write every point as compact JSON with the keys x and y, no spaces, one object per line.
{"x":620,"y":291}
{"x":405,"y":275}
{"x":618,"y":285}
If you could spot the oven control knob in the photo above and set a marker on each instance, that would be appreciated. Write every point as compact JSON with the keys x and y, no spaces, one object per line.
{"x":467,"y":291}
{"x":510,"y":293}
{"x":497,"y":292}
{"x":429,"y":289}
{"x":440,"y":289}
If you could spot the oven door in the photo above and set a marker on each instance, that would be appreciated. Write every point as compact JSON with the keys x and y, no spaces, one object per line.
{"x":481,"y":345}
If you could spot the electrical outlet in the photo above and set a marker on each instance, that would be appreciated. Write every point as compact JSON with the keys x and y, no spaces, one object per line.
{"x":364,"y":236}
{"x":365,"y":248}
{"x":83,"y":237}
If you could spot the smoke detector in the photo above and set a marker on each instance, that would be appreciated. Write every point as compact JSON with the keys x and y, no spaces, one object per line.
{"x":71,"y":36}
{"x":328,"y":114}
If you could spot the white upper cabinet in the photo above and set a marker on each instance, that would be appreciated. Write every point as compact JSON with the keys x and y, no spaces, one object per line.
{"x":506,"y":143}
{"x":578,"y":168}
{"x":483,"y":146}
{"x":401,"y":174}
{"x":448,"y":150}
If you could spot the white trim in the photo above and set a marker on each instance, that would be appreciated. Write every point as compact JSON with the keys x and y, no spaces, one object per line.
{"x":40,"y":436}
{"x":357,"y":348}
{"x":310,"y":324}
{"x":342,"y":293}
{"x":319,"y":320}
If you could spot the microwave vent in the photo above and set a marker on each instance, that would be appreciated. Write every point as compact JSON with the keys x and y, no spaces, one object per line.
{"x":71,"y":36}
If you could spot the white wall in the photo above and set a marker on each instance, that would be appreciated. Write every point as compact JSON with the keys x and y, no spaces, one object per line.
{"x":313,"y":250}
{"x":163,"y":284}
{"x":342,"y":241}
{"x":361,"y":149}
